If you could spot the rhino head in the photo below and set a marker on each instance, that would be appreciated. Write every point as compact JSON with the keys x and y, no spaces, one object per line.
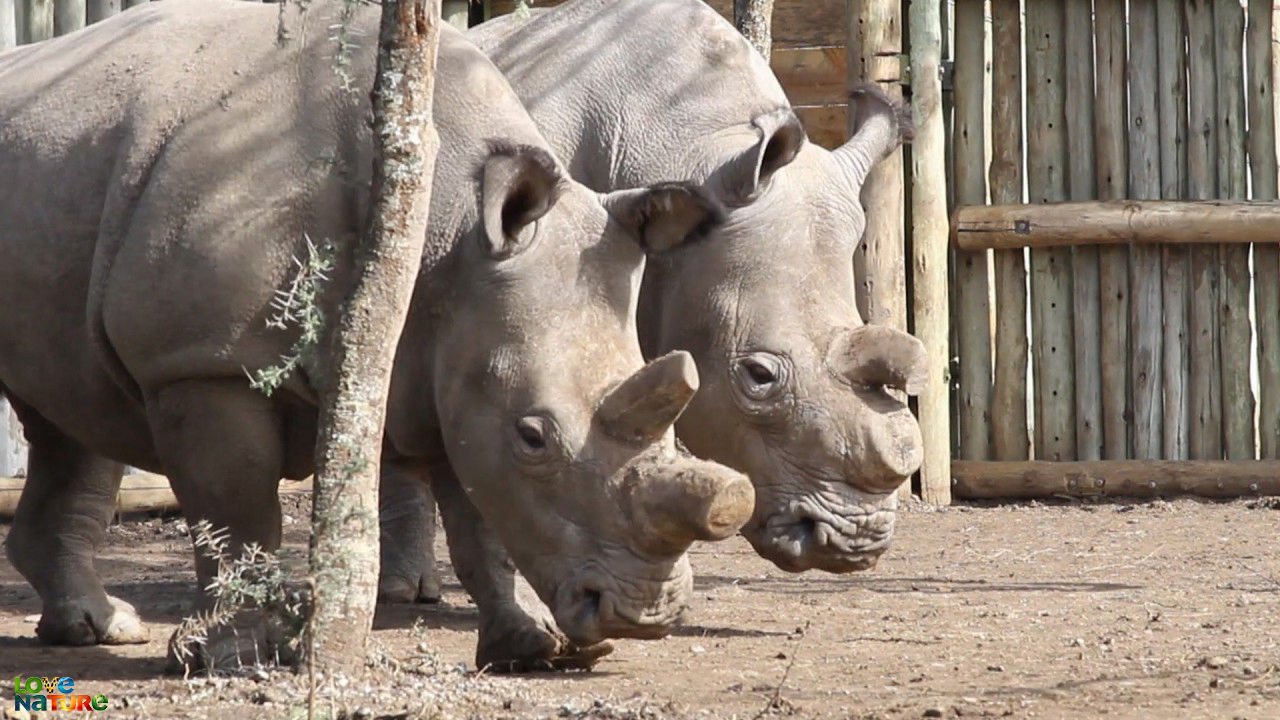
{"x":797,"y":392}
{"x":535,"y":359}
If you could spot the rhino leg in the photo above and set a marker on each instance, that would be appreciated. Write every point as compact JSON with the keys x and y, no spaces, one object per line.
{"x":221,"y":444}
{"x":407,"y":519}
{"x":59,"y":524}
{"x":517,"y":631}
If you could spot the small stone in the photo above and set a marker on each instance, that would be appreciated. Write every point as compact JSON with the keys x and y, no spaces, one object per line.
{"x":995,"y":668}
{"x":1248,"y":670}
{"x":935,"y":712}
{"x":780,"y":656}
{"x":1215,"y":662}
{"x":17,"y":714}
{"x":698,"y":649}
{"x":1078,"y":642}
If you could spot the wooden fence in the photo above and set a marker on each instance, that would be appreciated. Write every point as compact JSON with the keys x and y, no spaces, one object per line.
{"x":1154,"y":327}
{"x":1088,"y":343}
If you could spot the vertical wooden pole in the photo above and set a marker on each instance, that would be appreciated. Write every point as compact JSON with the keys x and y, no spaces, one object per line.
{"x":1087,"y":312}
{"x":875,"y":47}
{"x":1113,"y":181}
{"x":8,"y":24}
{"x":38,"y":15}
{"x":929,"y":244}
{"x":1205,"y":381}
{"x":97,"y":10}
{"x":1052,"y":331}
{"x":13,"y":451}
{"x":874,"y":55}
{"x":1145,"y":276}
{"x":68,"y":16}
{"x":1009,"y":395}
{"x":1266,"y":256}
{"x":1237,"y":396}
{"x":973,"y":329}
{"x":20,"y":22}
{"x":754,"y":19}
{"x":1172,"y":99}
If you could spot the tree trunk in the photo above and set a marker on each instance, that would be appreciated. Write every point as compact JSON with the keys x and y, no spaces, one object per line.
{"x":8,"y":24}
{"x":344,"y":551}
{"x":754,"y":19}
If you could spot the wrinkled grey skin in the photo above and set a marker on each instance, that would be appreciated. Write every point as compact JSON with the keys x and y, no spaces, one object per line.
{"x":794,"y":387}
{"x":163,"y":169}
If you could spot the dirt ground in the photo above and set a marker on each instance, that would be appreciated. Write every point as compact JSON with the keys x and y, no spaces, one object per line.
{"x":1150,"y":610}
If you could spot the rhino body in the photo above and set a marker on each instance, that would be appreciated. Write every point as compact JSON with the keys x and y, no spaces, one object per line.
{"x":164,"y":169}
{"x":795,"y":389}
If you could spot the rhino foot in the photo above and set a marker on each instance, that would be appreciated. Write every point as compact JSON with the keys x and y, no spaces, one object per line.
{"x":77,"y":622}
{"x":249,"y":641}
{"x":518,"y":643}
{"x":400,"y":590}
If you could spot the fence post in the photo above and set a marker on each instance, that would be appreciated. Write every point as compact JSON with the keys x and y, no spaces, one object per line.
{"x":1113,"y":263}
{"x":1266,"y":256}
{"x":973,"y":334}
{"x":1009,"y":436}
{"x":1205,"y":381}
{"x":1086,"y":286}
{"x":1145,"y":280}
{"x":929,"y":245}
{"x":1172,"y":97}
{"x":1052,"y":329}
{"x":1237,"y":395}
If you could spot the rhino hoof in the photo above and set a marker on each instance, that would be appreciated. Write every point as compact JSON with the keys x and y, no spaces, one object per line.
{"x":397,"y":590}
{"x":125,"y":627}
{"x":534,"y":647}
{"x":76,"y":623}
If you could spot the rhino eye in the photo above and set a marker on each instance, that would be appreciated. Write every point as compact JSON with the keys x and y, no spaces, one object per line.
{"x":532,"y":434}
{"x":759,"y":375}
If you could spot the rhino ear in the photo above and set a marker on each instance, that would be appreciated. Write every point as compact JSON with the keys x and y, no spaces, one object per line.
{"x":665,"y":215}
{"x":520,"y":184}
{"x":780,"y":138}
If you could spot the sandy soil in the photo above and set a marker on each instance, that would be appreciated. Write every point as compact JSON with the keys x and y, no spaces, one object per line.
{"x":1154,"y":610}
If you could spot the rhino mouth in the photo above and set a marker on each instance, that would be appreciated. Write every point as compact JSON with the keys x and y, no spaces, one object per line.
{"x":814,"y":532}
{"x":597,"y":604}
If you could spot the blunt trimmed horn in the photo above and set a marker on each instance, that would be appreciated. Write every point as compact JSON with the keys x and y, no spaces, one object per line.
{"x":647,"y":403}
{"x":879,"y":355}
{"x":675,"y":502}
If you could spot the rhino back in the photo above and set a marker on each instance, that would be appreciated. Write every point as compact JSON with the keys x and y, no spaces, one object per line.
{"x":176,"y":159}
{"x":585,"y":71}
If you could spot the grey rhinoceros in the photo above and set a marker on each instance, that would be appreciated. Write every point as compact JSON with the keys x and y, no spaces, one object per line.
{"x":796,"y":390}
{"x":162,"y":170}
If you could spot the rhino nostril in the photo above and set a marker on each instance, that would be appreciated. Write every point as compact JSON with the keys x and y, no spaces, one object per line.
{"x":806,"y":526}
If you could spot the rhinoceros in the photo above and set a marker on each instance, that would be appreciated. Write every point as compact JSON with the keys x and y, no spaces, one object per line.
{"x":163,"y":170}
{"x":797,"y":391}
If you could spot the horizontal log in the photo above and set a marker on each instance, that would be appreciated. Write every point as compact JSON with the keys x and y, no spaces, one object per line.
{"x":140,"y":492}
{"x":1129,"y":478}
{"x":1115,"y":222}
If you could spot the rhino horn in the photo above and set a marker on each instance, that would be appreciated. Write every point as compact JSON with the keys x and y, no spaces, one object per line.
{"x":879,"y":355}
{"x":646,"y":404}
{"x":676,"y":503}
{"x":780,"y":137}
{"x":882,"y":125}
